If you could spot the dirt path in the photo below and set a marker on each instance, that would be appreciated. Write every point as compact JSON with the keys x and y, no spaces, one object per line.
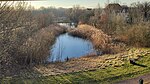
{"x":146,"y":79}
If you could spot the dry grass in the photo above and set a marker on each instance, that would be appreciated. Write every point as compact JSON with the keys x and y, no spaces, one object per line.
{"x":36,"y":48}
{"x":101,"y":41}
{"x":91,"y":63}
{"x":30,"y":51}
{"x":136,"y":35}
{"x":99,"y":69}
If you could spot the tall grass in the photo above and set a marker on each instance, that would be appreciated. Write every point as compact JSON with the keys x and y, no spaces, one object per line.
{"x":16,"y":25}
{"x":36,"y":48}
{"x":101,"y":41}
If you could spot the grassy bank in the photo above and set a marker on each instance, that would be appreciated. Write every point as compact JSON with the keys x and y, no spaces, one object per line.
{"x":105,"y":69}
{"x":107,"y":75}
{"x":101,"y":41}
{"x":34,"y":50}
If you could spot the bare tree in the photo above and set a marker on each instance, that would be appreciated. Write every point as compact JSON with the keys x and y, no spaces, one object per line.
{"x":140,"y":11}
{"x":145,"y":8}
{"x":16,"y":25}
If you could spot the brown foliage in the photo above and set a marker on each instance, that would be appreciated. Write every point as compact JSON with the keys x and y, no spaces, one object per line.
{"x":22,"y":40}
{"x":36,"y":48}
{"x":101,"y":41}
{"x":15,"y":28}
{"x":136,"y":35}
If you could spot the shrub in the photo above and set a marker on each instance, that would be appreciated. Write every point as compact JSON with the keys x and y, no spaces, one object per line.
{"x":36,"y":48}
{"x":137,"y":35}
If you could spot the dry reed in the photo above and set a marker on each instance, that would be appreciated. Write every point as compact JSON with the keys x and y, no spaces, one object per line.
{"x":101,"y":41}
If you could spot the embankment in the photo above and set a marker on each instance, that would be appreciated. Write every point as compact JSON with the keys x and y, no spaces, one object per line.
{"x":33,"y":51}
{"x":101,"y":41}
{"x":37,"y":47}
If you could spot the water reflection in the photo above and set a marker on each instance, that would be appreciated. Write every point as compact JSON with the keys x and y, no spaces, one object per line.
{"x":68,"y":25}
{"x":71,"y":47}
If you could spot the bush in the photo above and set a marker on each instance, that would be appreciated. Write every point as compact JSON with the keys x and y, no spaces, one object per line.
{"x":137,"y":35}
{"x":36,"y":48}
{"x":22,"y":39}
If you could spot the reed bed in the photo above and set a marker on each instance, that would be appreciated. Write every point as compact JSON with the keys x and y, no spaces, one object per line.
{"x":101,"y":41}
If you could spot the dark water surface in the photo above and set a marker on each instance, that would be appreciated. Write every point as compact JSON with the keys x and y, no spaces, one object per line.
{"x":71,"y":47}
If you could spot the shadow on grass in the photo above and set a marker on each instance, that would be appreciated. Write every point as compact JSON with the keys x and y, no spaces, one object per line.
{"x":141,"y":65}
{"x":132,"y":61}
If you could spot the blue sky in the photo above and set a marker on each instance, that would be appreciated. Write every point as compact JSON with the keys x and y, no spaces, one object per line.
{"x":82,"y":3}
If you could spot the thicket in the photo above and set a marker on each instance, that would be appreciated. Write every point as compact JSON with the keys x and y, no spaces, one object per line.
{"x":130,"y":27}
{"x":25,"y":37}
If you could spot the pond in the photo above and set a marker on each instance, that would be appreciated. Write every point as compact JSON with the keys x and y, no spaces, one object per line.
{"x":67,"y":46}
{"x":69,"y":25}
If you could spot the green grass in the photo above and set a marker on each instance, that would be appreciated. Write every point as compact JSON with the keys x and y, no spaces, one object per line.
{"x":99,"y":76}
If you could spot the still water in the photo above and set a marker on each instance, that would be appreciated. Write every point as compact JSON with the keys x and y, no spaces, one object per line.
{"x":67,"y":46}
{"x":68,"y":25}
